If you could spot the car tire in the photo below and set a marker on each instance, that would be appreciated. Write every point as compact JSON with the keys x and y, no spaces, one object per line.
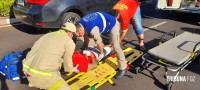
{"x":71,"y":17}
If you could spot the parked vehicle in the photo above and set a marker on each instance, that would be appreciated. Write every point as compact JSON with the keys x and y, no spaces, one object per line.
{"x":53,"y":13}
{"x":189,"y":6}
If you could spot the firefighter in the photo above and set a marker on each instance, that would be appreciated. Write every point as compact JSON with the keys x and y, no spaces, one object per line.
{"x":42,"y":64}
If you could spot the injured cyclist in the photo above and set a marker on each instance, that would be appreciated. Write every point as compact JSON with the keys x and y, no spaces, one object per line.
{"x":88,"y":58}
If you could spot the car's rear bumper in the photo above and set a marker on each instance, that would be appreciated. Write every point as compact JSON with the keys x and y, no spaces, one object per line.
{"x":32,"y":17}
{"x":22,"y":15}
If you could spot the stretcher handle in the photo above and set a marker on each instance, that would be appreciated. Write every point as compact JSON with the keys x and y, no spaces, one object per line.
{"x":194,"y":49}
{"x":165,"y":34}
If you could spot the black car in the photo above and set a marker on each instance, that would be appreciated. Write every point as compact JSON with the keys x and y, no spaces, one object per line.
{"x":53,"y":13}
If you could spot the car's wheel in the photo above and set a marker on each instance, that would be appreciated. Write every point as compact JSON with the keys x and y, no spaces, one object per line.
{"x":71,"y":17}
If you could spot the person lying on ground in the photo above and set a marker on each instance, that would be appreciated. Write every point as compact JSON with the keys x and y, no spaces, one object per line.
{"x":88,"y":58}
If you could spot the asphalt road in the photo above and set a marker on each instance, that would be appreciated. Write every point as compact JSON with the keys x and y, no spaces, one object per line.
{"x":155,"y":22}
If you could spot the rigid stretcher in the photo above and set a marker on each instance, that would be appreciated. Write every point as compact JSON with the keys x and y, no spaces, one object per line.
{"x":172,"y":55}
{"x":103,"y":73}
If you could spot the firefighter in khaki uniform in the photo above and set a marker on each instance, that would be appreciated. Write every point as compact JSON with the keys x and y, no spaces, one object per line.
{"x":43,"y":62}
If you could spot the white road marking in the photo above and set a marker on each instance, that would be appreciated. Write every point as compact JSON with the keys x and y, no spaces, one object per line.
{"x":149,"y":17}
{"x":145,"y":29}
{"x":155,"y":26}
{"x":10,"y":25}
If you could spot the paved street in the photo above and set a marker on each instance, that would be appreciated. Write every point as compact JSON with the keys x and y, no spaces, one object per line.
{"x":19,"y":37}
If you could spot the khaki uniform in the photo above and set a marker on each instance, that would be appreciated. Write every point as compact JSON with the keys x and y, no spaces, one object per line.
{"x":114,"y":37}
{"x":45,"y":59}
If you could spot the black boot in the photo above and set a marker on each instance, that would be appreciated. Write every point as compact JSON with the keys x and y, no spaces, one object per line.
{"x":120,"y":74}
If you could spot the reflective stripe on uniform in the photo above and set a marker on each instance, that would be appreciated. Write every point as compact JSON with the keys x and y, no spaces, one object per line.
{"x":60,"y":32}
{"x":56,"y":85}
{"x":36,"y":71}
{"x":104,"y":21}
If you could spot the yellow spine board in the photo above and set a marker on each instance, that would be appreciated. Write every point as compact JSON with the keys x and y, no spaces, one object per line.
{"x":104,"y":72}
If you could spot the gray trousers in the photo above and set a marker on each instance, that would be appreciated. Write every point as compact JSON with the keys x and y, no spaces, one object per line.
{"x":114,"y":36}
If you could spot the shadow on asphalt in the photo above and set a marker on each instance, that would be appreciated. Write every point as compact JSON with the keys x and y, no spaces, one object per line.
{"x":157,"y":83}
{"x":138,"y":62}
{"x":192,"y":30}
{"x":126,"y":43}
{"x":3,"y":83}
{"x":193,"y":67}
{"x":19,"y":65}
{"x":31,"y":30}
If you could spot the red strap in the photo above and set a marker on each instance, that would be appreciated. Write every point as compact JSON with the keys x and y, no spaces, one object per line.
{"x":27,"y":75}
{"x":113,"y":55}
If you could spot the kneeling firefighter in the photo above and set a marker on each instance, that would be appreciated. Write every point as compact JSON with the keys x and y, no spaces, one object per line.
{"x":42,"y":64}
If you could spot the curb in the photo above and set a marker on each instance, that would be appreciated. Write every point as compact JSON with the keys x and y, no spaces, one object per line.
{"x":6,"y":21}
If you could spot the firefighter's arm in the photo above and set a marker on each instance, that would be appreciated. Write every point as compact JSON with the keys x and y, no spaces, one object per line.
{"x":67,"y":58}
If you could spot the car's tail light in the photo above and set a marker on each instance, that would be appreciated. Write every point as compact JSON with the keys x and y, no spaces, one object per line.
{"x":40,"y":24}
{"x":40,"y":2}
